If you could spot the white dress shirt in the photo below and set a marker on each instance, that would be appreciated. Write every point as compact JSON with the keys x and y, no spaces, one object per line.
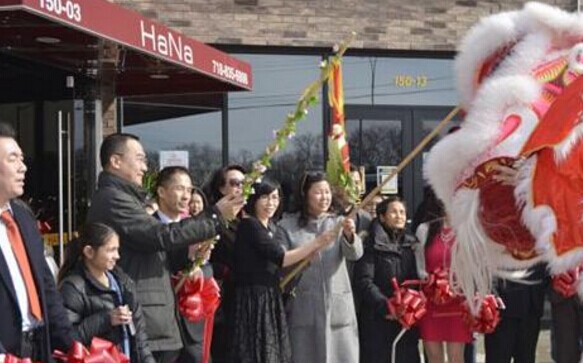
{"x":167,"y":220}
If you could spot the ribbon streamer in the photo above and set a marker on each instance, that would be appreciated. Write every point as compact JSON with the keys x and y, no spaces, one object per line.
{"x":488,"y":315}
{"x":198,"y":299}
{"x":12,"y":359}
{"x":407,"y":305}
{"x":100,"y":351}
{"x":437,"y":287}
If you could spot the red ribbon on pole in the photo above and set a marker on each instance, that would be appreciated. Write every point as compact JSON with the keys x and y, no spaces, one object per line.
{"x":437,"y":288}
{"x":199,"y":299}
{"x":407,"y":305}
{"x":488,"y":315}
{"x":100,"y":351}
{"x":566,"y":283}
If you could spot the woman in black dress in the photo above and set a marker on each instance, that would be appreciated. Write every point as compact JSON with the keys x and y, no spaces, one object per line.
{"x":260,"y":332}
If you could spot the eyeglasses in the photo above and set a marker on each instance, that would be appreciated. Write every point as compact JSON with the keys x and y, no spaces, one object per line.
{"x":235,"y":183}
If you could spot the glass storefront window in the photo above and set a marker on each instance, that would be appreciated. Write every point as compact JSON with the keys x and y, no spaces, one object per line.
{"x":399,"y":81}
{"x":200,"y":135}
{"x":375,"y":143}
{"x":279,"y":81}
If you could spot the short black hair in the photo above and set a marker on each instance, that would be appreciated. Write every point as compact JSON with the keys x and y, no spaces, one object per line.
{"x":95,"y":235}
{"x":6,"y":130}
{"x":383,"y":206}
{"x":114,"y":144}
{"x":165,"y":175}
{"x":265,"y":187}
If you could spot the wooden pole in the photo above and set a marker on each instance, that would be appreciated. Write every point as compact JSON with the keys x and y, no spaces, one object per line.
{"x":302,"y":265}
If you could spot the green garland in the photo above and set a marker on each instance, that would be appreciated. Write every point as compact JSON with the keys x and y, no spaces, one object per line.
{"x":288,"y":130}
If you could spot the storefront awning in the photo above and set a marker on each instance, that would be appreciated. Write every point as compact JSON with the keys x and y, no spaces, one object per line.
{"x":96,"y":38}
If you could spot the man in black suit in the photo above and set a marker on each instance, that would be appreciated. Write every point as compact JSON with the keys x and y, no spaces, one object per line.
{"x":34,"y":321}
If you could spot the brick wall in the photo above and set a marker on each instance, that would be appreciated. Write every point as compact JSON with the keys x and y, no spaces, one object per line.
{"x":381,"y":24}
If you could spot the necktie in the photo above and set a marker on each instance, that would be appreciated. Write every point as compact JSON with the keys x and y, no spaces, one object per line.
{"x":23,"y":263}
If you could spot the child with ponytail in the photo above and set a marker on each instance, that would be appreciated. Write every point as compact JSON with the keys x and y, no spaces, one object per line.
{"x":100,"y":297}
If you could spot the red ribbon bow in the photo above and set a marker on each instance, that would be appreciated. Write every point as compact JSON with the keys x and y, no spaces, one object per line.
{"x":566,"y":283}
{"x":488,"y":316}
{"x":437,"y":288}
{"x":407,"y":305}
{"x":199,"y":299}
{"x":12,"y":359}
{"x":100,"y":351}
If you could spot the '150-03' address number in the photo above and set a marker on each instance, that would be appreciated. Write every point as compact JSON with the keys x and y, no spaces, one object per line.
{"x":71,"y":9}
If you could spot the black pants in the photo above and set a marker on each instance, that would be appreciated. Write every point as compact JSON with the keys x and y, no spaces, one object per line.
{"x":567,"y":320}
{"x":193,"y":336}
{"x":32,"y":345}
{"x":513,"y":338}
{"x":469,"y":352}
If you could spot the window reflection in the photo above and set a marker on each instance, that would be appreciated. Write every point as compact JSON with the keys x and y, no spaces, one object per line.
{"x":399,"y":81}
{"x":278,"y":82}
{"x":200,"y":135}
{"x":375,"y":143}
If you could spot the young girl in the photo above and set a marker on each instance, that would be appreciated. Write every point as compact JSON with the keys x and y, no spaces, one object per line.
{"x":99,"y":297}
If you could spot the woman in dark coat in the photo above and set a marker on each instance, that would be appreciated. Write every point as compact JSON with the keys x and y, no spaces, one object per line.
{"x":388,"y":253}
{"x":99,"y":297}
{"x":225,"y":181}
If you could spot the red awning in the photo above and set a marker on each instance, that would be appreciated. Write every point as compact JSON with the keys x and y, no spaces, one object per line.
{"x":97,"y":38}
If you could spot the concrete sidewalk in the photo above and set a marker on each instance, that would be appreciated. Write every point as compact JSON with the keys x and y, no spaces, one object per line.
{"x":543,"y":348}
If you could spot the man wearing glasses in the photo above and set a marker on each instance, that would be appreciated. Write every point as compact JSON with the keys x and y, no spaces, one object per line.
{"x":120,"y":202}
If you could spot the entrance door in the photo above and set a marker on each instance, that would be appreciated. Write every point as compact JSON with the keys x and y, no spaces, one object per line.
{"x":384,"y":135}
{"x":56,"y":180}
{"x":380,"y":136}
{"x":63,"y":167}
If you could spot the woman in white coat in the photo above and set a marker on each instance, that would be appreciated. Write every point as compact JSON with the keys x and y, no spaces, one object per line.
{"x":321,"y":316}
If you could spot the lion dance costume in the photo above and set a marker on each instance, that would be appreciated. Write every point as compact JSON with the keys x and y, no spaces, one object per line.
{"x":521,"y":87}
